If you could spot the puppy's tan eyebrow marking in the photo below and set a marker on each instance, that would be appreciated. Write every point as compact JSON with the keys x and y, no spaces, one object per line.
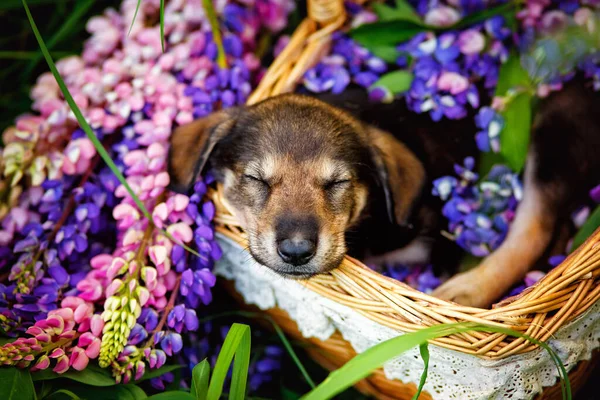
{"x":265,"y":168}
{"x":330,"y":170}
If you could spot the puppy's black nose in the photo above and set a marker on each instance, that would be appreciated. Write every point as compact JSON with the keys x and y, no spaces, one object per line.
{"x":296,"y":251}
{"x":296,"y":238}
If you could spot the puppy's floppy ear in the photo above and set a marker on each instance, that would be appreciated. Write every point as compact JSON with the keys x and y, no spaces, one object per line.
{"x":400,"y":173}
{"x":191,"y":145}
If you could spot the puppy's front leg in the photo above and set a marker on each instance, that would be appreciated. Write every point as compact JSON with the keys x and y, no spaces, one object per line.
{"x":527,"y":239}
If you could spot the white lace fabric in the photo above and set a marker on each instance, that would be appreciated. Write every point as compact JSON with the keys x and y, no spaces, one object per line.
{"x":452,"y":374}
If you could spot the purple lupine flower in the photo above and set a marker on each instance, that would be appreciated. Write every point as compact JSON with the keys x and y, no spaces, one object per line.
{"x":262,"y":370}
{"x":491,"y":124}
{"x":595,"y":194}
{"x":180,"y":317}
{"x":348,"y":62}
{"x":479,"y":212}
{"x":195,"y":286}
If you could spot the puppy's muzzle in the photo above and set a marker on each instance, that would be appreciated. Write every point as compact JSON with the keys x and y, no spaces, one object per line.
{"x":296,"y":239}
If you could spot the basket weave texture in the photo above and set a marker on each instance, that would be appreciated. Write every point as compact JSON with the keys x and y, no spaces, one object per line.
{"x":561,"y":296}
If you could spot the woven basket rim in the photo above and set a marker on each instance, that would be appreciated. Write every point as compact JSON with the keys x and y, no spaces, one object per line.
{"x":565,"y":293}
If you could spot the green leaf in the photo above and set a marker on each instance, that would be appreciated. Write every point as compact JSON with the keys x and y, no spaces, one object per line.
{"x":512,"y":75}
{"x":396,"y":82}
{"x":424,"y":350}
{"x":66,"y":393}
{"x":200,"y":378}
{"x":172,"y":395}
{"x":402,"y":11}
{"x":90,"y":133}
{"x":592,"y":223}
{"x":514,"y":138}
{"x":286,"y":343}
{"x":117,"y":392}
{"x":236,"y":343}
{"x":363,"y":364}
{"x":287,"y":394}
{"x":507,"y":10}
{"x":136,"y":392}
{"x":153,"y":373}
{"x":388,"y":54}
{"x":387,"y":33}
{"x":16,"y":384}
{"x":91,"y":376}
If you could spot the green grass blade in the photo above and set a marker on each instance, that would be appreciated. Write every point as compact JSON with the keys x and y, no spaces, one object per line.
{"x":424,"y":350}
{"x":81,"y":8}
{"x":234,"y":340}
{"x":363,"y":364}
{"x":288,"y":346}
{"x":65,"y":392}
{"x":162,"y":25}
{"x":135,"y":13}
{"x":286,"y":343}
{"x":592,"y":223}
{"x":88,"y":130}
{"x":241,"y":364}
{"x":214,"y":26}
{"x":200,"y":379}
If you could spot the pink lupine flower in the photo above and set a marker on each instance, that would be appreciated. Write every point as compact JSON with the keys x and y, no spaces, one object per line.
{"x":452,"y":82}
{"x":471,"y":42}
{"x":181,"y":232}
{"x":42,"y":363}
{"x":78,"y":156}
{"x":78,"y":360}
{"x":553,"y":21}
{"x":585,"y":17}
{"x":442,"y":16}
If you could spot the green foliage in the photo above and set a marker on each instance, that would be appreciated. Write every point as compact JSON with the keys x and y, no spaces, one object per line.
{"x":92,"y":376}
{"x":400,"y":23}
{"x":592,"y":223}
{"x":85,"y":392}
{"x":154,"y":373}
{"x":514,"y":139}
{"x":214,"y":26}
{"x":386,"y":33}
{"x":507,"y":10}
{"x":402,"y":11}
{"x":172,"y":395}
{"x":397,"y":82}
{"x":16,"y":384}
{"x":515,"y":86}
{"x":237,"y":343}
{"x":363,"y":364}
{"x":200,"y":380}
{"x":424,"y":351}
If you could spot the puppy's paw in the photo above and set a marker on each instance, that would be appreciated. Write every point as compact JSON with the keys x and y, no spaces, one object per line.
{"x":473,"y":288}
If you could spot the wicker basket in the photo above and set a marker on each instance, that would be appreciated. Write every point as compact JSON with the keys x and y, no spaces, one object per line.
{"x":561,"y":296}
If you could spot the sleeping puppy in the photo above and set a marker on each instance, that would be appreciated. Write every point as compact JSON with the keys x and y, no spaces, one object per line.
{"x":312,"y":179}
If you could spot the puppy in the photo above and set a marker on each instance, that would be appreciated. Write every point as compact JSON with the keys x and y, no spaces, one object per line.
{"x":312,"y":179}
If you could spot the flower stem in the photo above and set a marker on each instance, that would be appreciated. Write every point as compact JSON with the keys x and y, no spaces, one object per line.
{"x":214,"y":26}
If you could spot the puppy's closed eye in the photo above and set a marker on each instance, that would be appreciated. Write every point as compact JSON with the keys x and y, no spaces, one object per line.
{"x":337,"y":184}
{"x":249,"y":178}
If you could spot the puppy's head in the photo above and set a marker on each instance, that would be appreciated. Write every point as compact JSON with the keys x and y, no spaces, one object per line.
{"x":298,"y":174}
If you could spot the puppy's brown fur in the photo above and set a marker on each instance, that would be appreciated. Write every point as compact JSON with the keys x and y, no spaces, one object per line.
{"x":297,"y":157}
{"x":299,"y":170}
